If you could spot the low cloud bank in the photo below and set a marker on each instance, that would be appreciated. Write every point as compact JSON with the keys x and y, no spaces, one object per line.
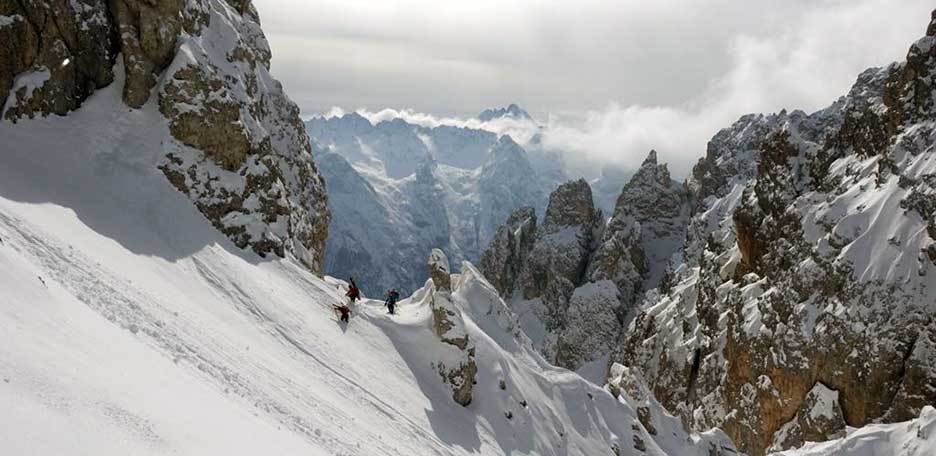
{"x":805,"y":65}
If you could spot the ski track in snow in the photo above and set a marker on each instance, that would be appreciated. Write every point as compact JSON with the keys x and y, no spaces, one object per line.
{"x":126,"y":307}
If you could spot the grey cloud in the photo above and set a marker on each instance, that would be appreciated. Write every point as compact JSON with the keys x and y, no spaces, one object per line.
{"x":612,"y":79}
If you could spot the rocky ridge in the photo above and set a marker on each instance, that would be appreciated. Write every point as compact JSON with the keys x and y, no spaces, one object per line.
{"x":583,"y":275}
{"x":808,"y":254}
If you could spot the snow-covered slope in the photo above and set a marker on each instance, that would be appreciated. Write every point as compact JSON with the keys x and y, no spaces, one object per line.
{"x":911,"y":438}
{"x":132,"y":326}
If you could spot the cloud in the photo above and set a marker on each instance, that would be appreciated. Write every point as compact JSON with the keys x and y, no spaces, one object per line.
{"x":610,"y":80}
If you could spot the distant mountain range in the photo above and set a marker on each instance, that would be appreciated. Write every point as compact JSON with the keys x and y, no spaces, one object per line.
{"x":397,"y":189}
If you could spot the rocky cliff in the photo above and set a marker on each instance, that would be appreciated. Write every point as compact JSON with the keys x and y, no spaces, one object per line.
{"x":806,"y":299}
{"x":581,"y":275}
{"x":235,"y":143}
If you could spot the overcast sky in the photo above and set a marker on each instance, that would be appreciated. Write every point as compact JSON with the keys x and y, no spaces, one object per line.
{"x":612,"y":78}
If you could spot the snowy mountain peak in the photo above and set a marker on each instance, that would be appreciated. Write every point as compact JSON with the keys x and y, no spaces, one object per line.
{"x":505,"y":149}
{"x":512,"y":111}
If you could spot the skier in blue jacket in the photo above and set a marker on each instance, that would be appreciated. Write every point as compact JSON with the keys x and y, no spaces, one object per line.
{"x":392,"y":296}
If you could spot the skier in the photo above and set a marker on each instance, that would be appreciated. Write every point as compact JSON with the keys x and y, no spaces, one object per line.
{"x":343,"y":310}
{"x":392,"y":296}
{"x":353,"y":292}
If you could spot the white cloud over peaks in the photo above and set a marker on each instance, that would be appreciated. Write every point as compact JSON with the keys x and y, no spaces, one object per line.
{"x":807,"y":66}
{"x":520,"y":130}
{"x":609,"y":80}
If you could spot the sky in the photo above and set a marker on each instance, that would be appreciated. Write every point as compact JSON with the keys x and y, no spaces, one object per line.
{"x":610,"y":79}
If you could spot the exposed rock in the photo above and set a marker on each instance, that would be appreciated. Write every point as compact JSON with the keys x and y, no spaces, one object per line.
{"x":449,"y":326}
{"x":628,"y":386}
{"x":506,"y":254}
{"x":563,"y":242}
{"x":648,"y":226}
{"x":439,"y":270}
{"x":818,"y":419}
{"x":583,"y":276}
{"x":54,"y":55}
{"x":148,"y":33}
{"x":591,"y":327}
{"x":803,"y":260}
{"x":193,"y":85}
{"x":258,"y":184}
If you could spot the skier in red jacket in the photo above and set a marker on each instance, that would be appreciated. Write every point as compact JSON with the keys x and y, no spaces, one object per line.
{"x":353,"y":293}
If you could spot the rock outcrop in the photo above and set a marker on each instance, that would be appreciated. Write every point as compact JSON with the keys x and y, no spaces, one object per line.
{"x":237,"y":146}
{"x":818,"y":419}
{"x":458,"y":370}
{"x":557,"y":262}
{"x":629,"y":387}
{"x":54,"y":55}
{"x":583,"y":275}
{"x":504,"y":258}
{"x":647,"y":228}
{"x":806,"y":257}
{"x":560,"y":253}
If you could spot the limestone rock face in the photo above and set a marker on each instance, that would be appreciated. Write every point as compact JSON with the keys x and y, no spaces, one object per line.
{"x":584,"y":276}
{"x":54,"y":54}
{"x":505,"y":256}
{"x":560,"y":253}
{"x":818,"y":419}
{"x":458,"y":370}
{"x":591,"y":326}
{"x":557,"y":263}
{"x":237,"y":145}
{"x":648,"y":226}
{"x":805,"y":258}
{"x":629,"y":387}
{"x":439,"y":271}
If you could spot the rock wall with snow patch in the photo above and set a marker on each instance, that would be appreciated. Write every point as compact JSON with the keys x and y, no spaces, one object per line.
{"x":236,"y":145}
{"x":458,"y":370}
{"x":808,"y":266}
{"x":581,"y":275}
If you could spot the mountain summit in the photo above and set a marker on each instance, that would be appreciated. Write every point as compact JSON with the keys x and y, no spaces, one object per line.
{"x":513,"y":111}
